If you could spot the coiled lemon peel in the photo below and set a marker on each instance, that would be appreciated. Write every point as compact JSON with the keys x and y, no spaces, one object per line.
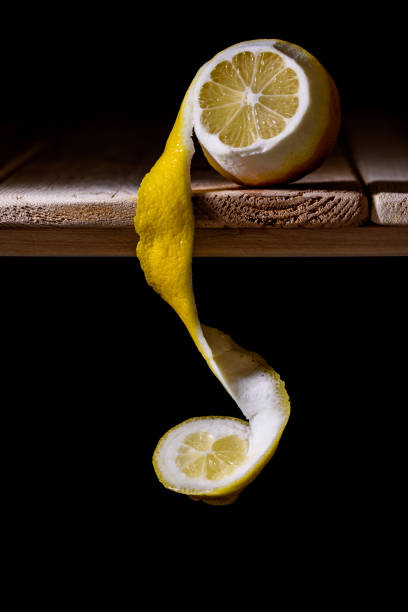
{"x":164,"y":222}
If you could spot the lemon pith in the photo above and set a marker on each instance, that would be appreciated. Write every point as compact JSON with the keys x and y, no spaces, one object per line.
{"x":249,"y":101}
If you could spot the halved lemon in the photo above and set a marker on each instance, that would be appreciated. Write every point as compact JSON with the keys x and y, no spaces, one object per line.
{"x":265,"y":111}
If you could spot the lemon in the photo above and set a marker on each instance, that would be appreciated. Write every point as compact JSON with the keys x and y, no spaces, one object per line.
{"x":263,"y":111}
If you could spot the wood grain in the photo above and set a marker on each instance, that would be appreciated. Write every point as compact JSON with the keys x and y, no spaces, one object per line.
{"x":379,"y":147}
{"x":331,"y":196}
{"x":74,"y":184}
{"x":366,"y":241}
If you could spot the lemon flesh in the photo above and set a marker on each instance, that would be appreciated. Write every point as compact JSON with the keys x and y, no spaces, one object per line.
{"x":202,"y":455}
{"x":251,"y":102}
{"x":249,"y":98}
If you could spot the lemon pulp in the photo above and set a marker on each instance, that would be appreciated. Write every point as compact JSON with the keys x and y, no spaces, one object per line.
{"x":250,"y":97}
{"x":202,"y":455}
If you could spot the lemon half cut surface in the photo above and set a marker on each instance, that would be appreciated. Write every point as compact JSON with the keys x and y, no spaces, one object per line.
{"x":265,"y":111}
{"x":248,"y":100}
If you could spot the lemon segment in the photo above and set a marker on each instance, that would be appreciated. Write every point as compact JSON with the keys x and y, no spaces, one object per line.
{"x":232,"y":449}
{"x":268,"y":65}
{"x":213,"y":95}
{"x":241,"y":130}
{"x":190,"y":462}
{"x":244,"y":64}
{"x":216,"y":119}
{"x":269,"y":123}
{"x":283,"y":105}
{"x":201,"y":440}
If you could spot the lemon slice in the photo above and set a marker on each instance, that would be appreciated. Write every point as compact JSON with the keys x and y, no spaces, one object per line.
{"x":262,"y":110}
{"x":265,"y":111}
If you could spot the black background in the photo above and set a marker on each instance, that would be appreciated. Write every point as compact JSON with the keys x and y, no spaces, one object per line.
{"x":75,"y":61}
{"x":96,"y":365}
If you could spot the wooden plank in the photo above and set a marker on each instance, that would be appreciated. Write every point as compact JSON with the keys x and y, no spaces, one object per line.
{"x":93,"y":182}
{"x":329,"y":197}
{"x":89,"y":178}
{"x":367,"y":241}
{"x":67,"y":242}
{"x":73,"y":184}
{"x":74,"y":201}
{"x":379,"y":147}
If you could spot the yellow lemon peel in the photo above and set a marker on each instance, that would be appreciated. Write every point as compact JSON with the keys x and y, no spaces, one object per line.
{"x":215,"y":473}
{"x":164,"y":222}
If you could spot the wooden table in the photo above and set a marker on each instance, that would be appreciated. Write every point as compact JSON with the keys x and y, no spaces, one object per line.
{"x":76,"y":195}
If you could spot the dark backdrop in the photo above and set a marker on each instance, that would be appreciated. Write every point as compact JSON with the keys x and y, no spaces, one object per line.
{"x":97,"y":368}
{"x":95,"y":365}
{"x":70,"y":62}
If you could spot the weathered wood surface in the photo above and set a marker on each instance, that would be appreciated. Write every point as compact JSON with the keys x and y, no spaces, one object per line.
{"x":379,"y":147}
{"x":74,"y":183}
{"x":93,"y":182}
